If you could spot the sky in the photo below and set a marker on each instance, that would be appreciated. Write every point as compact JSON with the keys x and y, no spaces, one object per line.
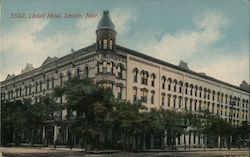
{"x":212,"y":36}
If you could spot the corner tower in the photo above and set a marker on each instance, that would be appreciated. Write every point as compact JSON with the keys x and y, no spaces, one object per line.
{"x":106,"y":34}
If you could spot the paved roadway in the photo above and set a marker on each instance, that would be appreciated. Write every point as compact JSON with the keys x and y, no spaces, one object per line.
{"x":49,"y":152}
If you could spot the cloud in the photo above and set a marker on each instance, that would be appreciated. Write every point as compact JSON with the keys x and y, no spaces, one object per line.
{"x":229,"y":68}
{"x":185,"y":43}
{"x":23,"y":42}
{"x":198,"y":47}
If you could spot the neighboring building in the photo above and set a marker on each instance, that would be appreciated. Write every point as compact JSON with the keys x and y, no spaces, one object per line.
{"x":132,"y":76}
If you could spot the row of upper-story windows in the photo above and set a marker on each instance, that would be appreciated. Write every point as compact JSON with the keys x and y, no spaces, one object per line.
{"x":195,"y":105}
{"x":189,"y":89}
{"x":144,"y":75}
{"x":39,"y":86}
{"x":144,"y":95}
{"x":108,"y":67}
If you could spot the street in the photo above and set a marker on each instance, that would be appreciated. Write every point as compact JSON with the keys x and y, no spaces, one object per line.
{"x":50,"y":152}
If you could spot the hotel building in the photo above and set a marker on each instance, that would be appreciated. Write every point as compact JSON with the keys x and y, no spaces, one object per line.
{"x":132,"y":76}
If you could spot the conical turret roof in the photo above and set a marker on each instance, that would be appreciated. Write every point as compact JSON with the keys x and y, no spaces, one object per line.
{"x":106,"y":22}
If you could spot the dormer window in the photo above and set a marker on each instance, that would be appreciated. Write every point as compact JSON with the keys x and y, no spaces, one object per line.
{"x":105,"y":43}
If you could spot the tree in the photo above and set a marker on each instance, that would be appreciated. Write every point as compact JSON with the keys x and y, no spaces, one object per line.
{"x":93,"y":106}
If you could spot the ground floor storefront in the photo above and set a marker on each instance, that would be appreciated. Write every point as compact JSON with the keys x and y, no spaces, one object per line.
{"x":59,"y":133}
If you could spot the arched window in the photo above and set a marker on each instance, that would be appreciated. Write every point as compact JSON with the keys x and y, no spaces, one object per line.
{"x":120,"y":70}
{"x":175,"y":85}
{"x":186,"y":88}
{"x":174,"y":101}
{"x":191,"y":89}
{"x":196,"y":89}
{"x":163,"y":80}
{"x":191,"y":104}
{"x":109,"y":66}
{"x":169,"y":84}
{"x":135,"y":72}
{"x":163,"y":99}
{"x":205,"y":93}
{"x":153,"y":79}
{"x":104,"y":66}
{"x":180,"y":98}
{"x":195,"y":105}
{"x":87,"y":72}
{"x":208,"y":94}
{"x":218,"y":96}
{"x":111,"y":44}
{"x":200,"y":88}
{"x":180,"y":86}
{"x":169,"y":100}
{"x":146,"y":78}
{"x":226,"y":96}
{"x":78,"y":73}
